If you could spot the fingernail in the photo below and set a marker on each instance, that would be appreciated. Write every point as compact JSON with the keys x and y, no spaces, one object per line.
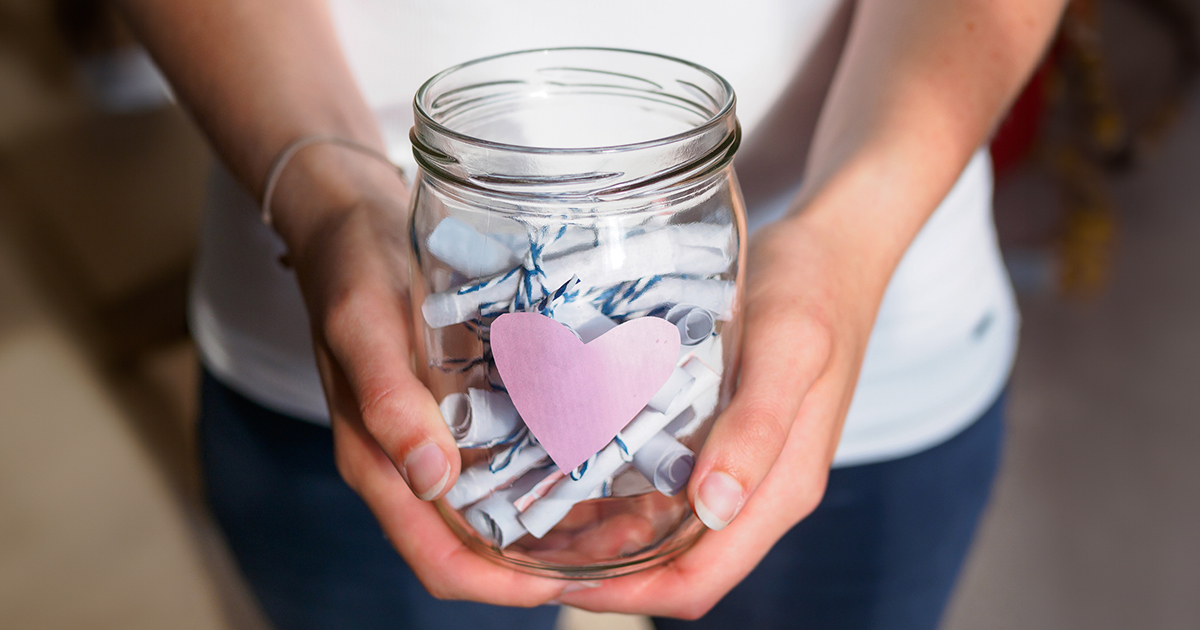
{"x":426,"y":471}
{"x":718,"y":500}
{"x":578,"y":586}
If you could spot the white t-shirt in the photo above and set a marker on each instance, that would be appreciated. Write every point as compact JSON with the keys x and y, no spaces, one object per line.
{"x":945,"y":335}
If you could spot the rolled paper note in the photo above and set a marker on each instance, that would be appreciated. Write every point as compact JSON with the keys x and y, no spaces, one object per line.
{"x":686,"y":423}
{"x":666,"y":463}
{"x":700,"y":261}
{"x":679,"y":381}
{"x":695,"y":323}
{"x":537,"y":490}
{"x":559,"y":239}
{"x":570,"y":238}
{"x":516,"y":242}
{"x":543,"y":514}
{"x":704,"y":249}
{"x":682,"y":422}
{"x":468,"y":252}
{"x":480,"y":480}
{"x":583,"y":318}
{"x":709,"y":352}
{"x":628,"y":485}
{"x":713,"y":295}
{"x":546,"y":484}
{"x":717,"y":237}
{"x":495,"y":518}
{"x":481,"y":418}
{"x":647,"y":255}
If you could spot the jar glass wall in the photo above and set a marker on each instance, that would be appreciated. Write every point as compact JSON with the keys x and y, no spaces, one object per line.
{"x":578,"y":241}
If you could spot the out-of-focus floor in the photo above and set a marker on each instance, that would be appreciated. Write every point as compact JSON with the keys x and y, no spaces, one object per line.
{"x":1095,"y":515}
{"x":1095,"y":518}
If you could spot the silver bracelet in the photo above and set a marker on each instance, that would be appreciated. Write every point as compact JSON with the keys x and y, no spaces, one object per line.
{"x":288,"y":152}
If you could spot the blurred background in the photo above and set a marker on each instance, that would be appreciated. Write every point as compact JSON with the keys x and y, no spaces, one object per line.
{"x":1096,"y":514}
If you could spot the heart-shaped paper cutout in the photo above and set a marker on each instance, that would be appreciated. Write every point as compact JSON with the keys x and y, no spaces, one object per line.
{"x":575,"y":397}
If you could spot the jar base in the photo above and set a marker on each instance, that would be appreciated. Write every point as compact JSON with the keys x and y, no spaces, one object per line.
{"x":687,"y":535}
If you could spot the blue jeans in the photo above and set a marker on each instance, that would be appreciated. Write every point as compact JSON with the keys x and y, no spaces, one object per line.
{"x":882,"y":550}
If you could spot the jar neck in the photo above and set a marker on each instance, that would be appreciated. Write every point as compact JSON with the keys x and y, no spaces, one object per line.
{"x":574,"y":124}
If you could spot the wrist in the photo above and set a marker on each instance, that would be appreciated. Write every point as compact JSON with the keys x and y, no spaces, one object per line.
{"x":869,"y":207}
{"x":318,"y":179}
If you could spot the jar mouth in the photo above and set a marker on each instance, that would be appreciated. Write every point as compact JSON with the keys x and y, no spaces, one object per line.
{"x":572,"y":122}
{"x":424,"y":103}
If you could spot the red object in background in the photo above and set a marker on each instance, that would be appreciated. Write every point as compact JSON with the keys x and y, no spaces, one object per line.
{"x":1019,"y":131}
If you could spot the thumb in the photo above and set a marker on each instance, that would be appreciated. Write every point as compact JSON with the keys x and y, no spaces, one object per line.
{"x":368,"y":343}
{"x":782,"y":356}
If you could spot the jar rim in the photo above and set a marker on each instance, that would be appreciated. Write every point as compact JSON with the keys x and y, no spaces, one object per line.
{"x":424,"y":118}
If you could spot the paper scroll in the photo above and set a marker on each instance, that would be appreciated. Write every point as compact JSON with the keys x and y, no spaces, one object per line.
{"x":476,"y":482}
{"x":545,"y":513}
{"x":665,"y":463}
{"x":495,"y":518}
{"x":646,"y":254}
{"x":673,"y":250}
{"x":713,"y":295}
{"x":672,"y":271}
{"x":584,"y":320}
{"x":695,"y":323}
{"x":480,"y":418}
{"x":468,"y":252}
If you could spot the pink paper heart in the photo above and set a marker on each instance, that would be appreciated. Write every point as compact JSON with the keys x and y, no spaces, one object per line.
{"x":575,"y":397}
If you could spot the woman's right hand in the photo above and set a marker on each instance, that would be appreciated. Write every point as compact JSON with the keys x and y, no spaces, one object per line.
{"x":255,"y":76}
{"x":344,"y":218}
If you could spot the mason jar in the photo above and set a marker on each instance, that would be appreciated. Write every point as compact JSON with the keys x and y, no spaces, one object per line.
{"x":578,"y":240}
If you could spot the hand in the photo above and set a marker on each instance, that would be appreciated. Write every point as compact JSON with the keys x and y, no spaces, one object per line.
{"x":809,"y":308}
{"x":392,"y":446}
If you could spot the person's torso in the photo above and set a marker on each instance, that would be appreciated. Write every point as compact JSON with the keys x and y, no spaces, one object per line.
{"x":947,"y":310}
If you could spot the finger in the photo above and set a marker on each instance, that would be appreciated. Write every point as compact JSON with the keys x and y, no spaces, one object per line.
{"x":784,"y":351}
{"x":352,"y":281}
{"x":443,"y":564}
{"x":694,"y":582}
{"x":366,"y":336}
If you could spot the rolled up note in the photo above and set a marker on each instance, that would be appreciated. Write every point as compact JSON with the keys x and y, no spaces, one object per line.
{"x":480,"y":480}
{"x":480,"y":418}
{"x":583,"y":318}
{"x":495,"y":518}
{"x":660,"y":252}
{"x":570,"y":238}
{"x":638,"y":256}
{"x":679,"y":382}
{"x":715,"y":236}
{"x":695,"y":323}
{"x":711,"y":236}
{"x":543,"y":514}
{"x":468,"y":252}
{"x":713,"y":295}
{"x":628,"y":482}
{"x":687,"y":423}
{"x":665,"y":463}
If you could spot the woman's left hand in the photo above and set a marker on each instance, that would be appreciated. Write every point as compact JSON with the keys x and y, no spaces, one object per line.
{"x":806,"y":321}
{"x":919,"y":87}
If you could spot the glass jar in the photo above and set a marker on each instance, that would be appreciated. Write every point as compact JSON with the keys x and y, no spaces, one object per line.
{"x":578,"y":244}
